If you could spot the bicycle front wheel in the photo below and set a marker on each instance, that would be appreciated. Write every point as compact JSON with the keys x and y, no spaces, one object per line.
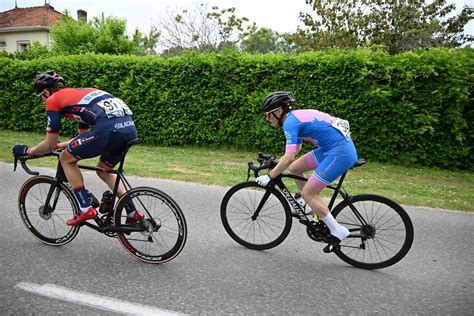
{"x":264,"y":230}
{"x":166,"y":229}
{"x":385,"y":237}
{"x":47,"y":222}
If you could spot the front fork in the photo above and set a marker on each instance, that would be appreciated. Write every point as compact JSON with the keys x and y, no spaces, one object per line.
{"x":53,"y":194}
{"x":261,"y":204}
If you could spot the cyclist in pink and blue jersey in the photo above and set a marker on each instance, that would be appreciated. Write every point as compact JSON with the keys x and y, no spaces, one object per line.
{"x":335,"y":152}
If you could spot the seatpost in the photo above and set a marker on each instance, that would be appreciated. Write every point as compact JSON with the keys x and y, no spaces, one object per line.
{"x":122,"y":161}
{"x":336,"y":190}
{"x":119,"y":171}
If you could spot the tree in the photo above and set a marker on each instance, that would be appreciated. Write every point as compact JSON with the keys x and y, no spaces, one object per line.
{"x":106,"y":35}
{"x":399,"y":25}
{"x":72,"y":37}
{"x":264,"y":40}
{"x":203,"y":29}
{"x":146,"y":45}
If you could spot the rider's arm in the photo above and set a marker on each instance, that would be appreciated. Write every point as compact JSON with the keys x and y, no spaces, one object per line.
{"x":52,"y":133}
{"x":283,"y":164}
{"x":48,"y":144}
{"x":293,"y":146}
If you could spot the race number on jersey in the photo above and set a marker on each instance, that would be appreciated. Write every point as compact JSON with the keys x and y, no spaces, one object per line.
{"x":114,"y":107}
{"x":343,"y":127}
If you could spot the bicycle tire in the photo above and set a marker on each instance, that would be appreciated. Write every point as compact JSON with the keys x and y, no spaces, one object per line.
{"x":160,"y":243}
{"x":49,"y":226}
{"x":389,"y":224}
{"x":269,"y":229}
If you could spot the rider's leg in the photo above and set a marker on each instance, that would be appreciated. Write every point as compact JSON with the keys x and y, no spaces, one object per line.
{"x":109,"y":179}
{"x":331,"y":165}
{"x":71,"y":170}
{"x":86,"y":145}
{"x":311,"y":194}
{"x":75,"y":179}
{"x":108,"y":160}
{"x":298,"y":167}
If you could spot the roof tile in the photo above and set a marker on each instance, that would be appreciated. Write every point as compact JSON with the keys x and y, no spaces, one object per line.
{"x":33,"y":16}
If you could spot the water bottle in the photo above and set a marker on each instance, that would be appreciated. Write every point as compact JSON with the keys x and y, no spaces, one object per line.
{"x":106,"y":199}
{"x":300,"y":200}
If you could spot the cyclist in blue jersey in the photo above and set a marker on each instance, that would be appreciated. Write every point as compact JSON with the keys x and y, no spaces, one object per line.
{"x":335,"y":152}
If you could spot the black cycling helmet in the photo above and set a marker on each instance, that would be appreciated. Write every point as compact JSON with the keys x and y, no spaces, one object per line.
{"x":47,"y":80}
{"x":277,"y":99}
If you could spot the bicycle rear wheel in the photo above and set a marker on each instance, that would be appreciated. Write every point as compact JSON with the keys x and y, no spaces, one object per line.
{"x":166,"y":229}
{"x":265,"y":231}
{"x":383,"y":241}
{"x":48,"y":222}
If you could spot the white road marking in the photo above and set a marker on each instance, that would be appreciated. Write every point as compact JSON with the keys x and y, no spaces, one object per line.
{"x":92,"y":300}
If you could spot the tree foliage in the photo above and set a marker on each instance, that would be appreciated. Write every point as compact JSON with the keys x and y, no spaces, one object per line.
{"x":399,"y":25}
{"x":106,"y":35}
{"x":264,"y":40}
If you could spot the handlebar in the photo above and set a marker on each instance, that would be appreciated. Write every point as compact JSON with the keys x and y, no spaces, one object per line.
{"x":23,"y":160}
{"x":266,"y":162}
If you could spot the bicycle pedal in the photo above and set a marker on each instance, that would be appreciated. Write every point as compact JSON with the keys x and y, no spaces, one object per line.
{"x":331,"y":248}
{"x":333,"y":245}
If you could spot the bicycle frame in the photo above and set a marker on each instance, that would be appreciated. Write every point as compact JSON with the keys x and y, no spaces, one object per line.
{"x":338,"y":190}
{"x":103,"y":226}
{"x":60,"y":177}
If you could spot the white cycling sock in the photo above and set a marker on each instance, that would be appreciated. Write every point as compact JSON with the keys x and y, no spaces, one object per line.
{"x":335,"y":228}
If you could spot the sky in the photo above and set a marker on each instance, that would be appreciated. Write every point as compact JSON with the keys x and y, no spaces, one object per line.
{"x":278,"y":15}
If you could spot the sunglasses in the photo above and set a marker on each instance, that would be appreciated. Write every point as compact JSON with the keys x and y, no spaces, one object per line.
{"x":267,"y":114}
{"x":39,"y":95}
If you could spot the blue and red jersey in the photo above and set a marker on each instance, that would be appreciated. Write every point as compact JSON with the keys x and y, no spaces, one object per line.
{"x":87,"y":106}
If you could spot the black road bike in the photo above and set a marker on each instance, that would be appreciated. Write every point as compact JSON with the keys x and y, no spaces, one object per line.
{"x":46,"y":203}
{"x":381,"y":232}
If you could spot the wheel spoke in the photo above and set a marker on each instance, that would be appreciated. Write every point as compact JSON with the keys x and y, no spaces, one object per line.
{"x":389,"y":232}
{"x":156,"y":244}
{"x":268,"y":229}
{"x":51,"y":227}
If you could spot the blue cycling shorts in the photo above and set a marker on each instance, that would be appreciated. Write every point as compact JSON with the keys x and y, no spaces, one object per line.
{"x":330,"y":164}
{"x":106,"y":140}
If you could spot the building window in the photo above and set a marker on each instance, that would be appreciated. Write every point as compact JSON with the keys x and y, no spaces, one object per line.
{"x":22,"y":45}
{"x":3,"y":45}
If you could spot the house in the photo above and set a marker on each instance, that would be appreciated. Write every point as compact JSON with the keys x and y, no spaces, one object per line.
{"x":20,"y":27}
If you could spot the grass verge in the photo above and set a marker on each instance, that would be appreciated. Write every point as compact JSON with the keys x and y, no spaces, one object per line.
{"x":419,"y":186}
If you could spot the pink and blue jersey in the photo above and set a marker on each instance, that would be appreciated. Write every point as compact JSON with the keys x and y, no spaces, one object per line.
{"x":336,"y":152}
{"x":313,"y":126}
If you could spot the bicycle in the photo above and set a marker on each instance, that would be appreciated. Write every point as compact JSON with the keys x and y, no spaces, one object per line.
{"x":256,"y":217}
{"x":45,"y":203}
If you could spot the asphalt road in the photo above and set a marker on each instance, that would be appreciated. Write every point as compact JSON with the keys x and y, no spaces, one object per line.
{"x":214,"y":275}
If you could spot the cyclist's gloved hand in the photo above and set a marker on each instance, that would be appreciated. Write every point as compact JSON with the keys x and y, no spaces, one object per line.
{"x":263,"y":180}
{"x":20,"y":150}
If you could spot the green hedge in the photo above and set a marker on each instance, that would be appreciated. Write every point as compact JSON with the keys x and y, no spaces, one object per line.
{"x":412,"y":108}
